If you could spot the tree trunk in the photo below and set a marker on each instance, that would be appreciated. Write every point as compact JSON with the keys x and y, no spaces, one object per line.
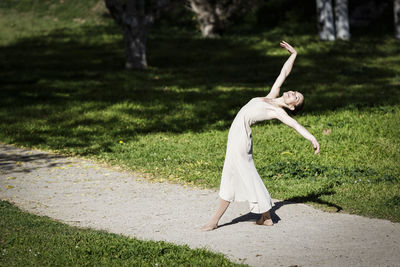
{"x":342,"y":20}
{"x":135,"y":48}
{"x":214,"y":15}
{"x":135,"y":18}
{"x":210,"y":24}
{"x":135,"y":31}
{"x":326,"y":27}
{"x":396,"y":8}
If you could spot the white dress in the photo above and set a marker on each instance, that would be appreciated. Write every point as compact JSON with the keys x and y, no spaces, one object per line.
{"x":240,"y":180}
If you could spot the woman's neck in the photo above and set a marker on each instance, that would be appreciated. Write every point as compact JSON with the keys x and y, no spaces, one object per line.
{"x":276,"y":101}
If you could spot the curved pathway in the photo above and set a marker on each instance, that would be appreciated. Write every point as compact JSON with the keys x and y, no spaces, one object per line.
{"x":85,"y":194}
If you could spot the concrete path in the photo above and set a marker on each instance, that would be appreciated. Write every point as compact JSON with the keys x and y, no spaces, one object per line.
{"x":85,"y":194}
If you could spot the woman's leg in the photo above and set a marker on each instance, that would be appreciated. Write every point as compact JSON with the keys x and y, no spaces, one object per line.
{"x":213,"y":223}
{"x":265,"y":219}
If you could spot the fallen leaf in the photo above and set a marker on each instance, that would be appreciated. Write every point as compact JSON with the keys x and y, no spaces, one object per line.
{"x":327,"y":131}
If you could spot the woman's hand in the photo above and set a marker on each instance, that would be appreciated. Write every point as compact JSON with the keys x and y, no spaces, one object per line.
{"x":315,"y":145}
{"x":288,"y":47}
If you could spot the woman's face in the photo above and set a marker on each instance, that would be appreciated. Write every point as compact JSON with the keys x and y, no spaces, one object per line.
{"x":293,"y":98}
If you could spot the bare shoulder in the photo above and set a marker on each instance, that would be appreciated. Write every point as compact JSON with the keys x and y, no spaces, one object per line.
{"x":274,"y":111}
{"x":280,"y":113}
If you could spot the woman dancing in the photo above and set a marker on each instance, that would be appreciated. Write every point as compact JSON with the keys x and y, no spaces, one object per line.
{"x":240,"y":180}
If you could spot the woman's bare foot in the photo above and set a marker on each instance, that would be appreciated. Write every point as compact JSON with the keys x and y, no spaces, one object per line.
{"x":265,"y":219}
{"x":209,"y":227}
{"x":268,"y":222}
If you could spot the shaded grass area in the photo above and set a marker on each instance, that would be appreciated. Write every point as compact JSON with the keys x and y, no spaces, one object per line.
{"x":66,"y":90}
{"x":30,"y":18}
{"x":29,"y":240}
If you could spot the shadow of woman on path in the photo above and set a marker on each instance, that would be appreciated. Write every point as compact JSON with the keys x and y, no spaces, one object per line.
{"x":310,"y":198}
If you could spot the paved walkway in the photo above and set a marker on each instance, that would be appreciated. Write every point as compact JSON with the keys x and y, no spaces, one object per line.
{"x":82,"y":193}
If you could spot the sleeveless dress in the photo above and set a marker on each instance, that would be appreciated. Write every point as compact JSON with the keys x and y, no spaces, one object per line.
{"x":240,"y":180}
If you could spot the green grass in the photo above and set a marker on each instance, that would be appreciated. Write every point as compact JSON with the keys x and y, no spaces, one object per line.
{"x":63,"y":88}
{"x":29,"y":18}
{"x":30,"y":240}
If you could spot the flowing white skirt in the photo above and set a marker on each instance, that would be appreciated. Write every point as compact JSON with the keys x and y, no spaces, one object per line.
{"x":240,"y":180}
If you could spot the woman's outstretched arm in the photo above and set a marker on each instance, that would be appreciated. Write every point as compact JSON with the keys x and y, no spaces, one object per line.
{"x":287,"y":67}
{"x":289,"y":121}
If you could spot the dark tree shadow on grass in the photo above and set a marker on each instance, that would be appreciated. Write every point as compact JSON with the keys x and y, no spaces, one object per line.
{"x":71,"y":85}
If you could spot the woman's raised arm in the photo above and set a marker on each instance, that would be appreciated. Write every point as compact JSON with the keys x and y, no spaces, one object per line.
{"x":289,"y":121}
{"x":287,"y":67}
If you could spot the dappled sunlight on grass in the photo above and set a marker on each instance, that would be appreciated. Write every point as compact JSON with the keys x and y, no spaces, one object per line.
{"x":65,"y":89}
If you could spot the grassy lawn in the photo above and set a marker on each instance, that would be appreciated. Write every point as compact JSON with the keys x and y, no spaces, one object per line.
{"x":29,"y":240}
{"x":63,"y":88}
